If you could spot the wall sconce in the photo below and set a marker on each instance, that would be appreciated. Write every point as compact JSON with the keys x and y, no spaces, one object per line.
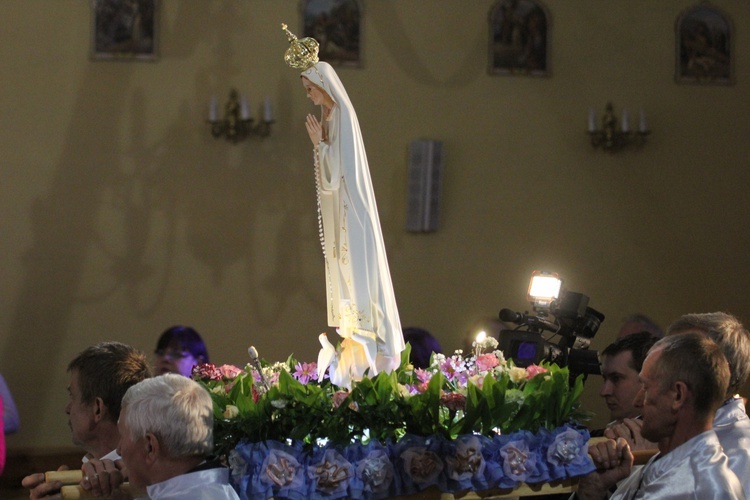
{"x":237,"y":125}
{"x":612,"y":139}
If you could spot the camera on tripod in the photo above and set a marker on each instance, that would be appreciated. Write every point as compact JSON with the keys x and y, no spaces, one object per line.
{"x":560,"y":313}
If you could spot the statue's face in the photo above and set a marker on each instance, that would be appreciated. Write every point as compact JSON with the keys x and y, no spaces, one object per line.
{"x":314,"y":93}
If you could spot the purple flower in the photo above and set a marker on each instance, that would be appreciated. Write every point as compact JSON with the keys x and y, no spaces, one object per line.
{"x":280,"y":468}
{"x":419,"y":388}
{"x":237,"y":465}
{"x":423,"y":375}
{"x":566,"y":448}
{"x":376,"y":472}
{"x":422,"y":466}
{"x":332,"y":474}
{"x":305,"y":372}
{"x":518,"y":460}
{"x":452,"y":368}
{"x":467,"y":462}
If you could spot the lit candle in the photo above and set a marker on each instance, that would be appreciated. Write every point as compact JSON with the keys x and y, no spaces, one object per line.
{"x":481,"y":336}
{"x":244,"y":108}
{"x":213,"y":109}
{"x":267,"y":112}
{"x":592,"y":120}
{"x":642,"y":127}
{"x":625,"y":120}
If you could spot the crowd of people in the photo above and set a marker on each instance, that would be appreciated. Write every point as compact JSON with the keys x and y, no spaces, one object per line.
{"x":150,"y":425}
{"x":678,"y":395}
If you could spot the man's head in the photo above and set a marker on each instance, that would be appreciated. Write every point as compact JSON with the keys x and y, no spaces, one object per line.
{"x":423,"y":345}
{"x":636,"y":323}
{"x":728,"y":333}
{"x":685,"y":378}
{"x":166,"y":428}
{"x":99,"y":377}
{"x":621,"y":361}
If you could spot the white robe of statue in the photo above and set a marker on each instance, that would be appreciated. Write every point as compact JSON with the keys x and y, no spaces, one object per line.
{"x":359,"y":292}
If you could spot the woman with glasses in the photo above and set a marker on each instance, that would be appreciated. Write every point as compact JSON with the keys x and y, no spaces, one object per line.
{"x":179,"y":349}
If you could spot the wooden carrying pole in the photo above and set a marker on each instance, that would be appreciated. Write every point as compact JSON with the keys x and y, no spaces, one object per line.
{"x":72,"y":490}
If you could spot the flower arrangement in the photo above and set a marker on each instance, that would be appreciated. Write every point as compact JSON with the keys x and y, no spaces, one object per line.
{"x":474,"y":421}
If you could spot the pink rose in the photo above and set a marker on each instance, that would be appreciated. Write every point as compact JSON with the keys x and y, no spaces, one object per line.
{"x":229,"y":371}
{"x":486,"y":362}
{"x":534,"y":370}
{"x":206,"y":371}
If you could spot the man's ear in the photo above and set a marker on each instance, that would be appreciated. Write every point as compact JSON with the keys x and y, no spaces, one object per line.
{"x":100,"y":410}
{"x":152,"y":448}
{"x":681,"y":394}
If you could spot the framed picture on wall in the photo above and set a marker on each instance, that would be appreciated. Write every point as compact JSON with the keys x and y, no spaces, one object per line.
{"x":704,"y":46}
{"x":337,"y":26}
{"x":519,"y":38}
{"x":124,"y":29}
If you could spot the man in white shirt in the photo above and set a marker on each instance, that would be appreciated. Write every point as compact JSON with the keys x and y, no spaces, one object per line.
{"x":166,"y":438}
{"x":731,"y":423}
{"x":684,"y":381}
{"x":99,"y":377}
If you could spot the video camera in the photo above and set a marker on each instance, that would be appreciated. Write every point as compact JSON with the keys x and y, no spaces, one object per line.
{"x":559,"y":312}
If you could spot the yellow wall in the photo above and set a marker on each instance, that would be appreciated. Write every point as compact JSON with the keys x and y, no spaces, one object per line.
{"x":121,"y":215}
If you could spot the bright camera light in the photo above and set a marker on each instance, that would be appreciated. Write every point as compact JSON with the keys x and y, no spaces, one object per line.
{"x":543,"y":288}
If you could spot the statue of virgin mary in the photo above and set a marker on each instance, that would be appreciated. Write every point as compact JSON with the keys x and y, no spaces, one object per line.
{"x":359,"y":292}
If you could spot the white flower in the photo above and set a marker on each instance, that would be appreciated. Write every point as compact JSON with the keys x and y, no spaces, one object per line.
{"x":477,"y":379}
{"x":484,"y":345}
{"x":231,"y":411}
{"x":501,"y":358}
{"x":278,"y":366}
{"x":517,"y":374}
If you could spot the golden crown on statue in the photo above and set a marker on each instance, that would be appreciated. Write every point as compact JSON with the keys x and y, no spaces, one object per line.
{"x":302,"y":54}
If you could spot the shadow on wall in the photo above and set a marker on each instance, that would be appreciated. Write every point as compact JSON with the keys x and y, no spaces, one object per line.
{"x":126,"y":207}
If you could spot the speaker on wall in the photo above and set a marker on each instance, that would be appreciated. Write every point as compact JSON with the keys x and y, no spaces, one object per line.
{"x":425,"y":185}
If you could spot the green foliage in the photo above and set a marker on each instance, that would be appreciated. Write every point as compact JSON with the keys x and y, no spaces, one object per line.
{"x":389,"y":405}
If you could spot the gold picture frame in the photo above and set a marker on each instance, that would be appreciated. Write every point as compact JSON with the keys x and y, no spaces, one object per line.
{"x":337,"y":26}
{"x":124,"y":29}
{"x":519,"y":38}
{"x":705,"y":50}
